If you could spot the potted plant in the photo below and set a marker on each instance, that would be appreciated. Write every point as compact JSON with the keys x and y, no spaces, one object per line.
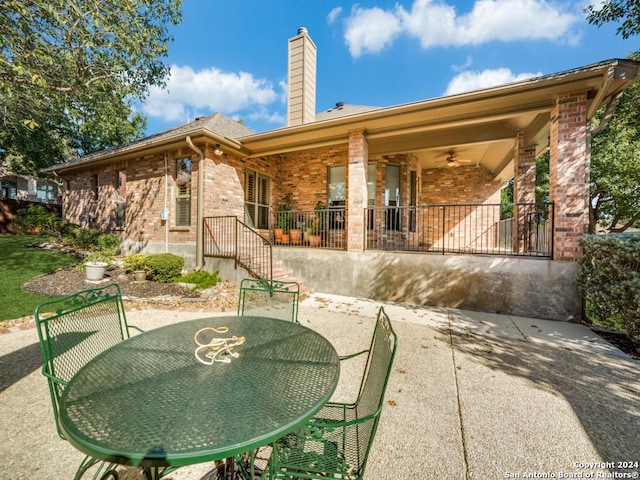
{"x":315,"y":238}
{"x":95,"y":264}
{"x":283,"y":218}
{"x":137,"y":264}
{"x":296,"y":233}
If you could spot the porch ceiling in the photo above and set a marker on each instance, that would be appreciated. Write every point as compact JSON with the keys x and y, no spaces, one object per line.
{"x":478,"y":127}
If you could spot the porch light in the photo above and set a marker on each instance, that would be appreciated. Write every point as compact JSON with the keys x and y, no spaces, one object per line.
{"x":218,"y":151}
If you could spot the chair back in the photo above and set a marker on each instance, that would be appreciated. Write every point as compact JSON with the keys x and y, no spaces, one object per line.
{"x":269,"y":298}
{"x":74,"y":329}
{"x":372,"y":390}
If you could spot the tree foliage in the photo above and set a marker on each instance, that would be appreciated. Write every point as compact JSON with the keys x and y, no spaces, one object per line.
{"x":70,"y":71}
{"x":615,"y":168}
{"x":625,"y":12}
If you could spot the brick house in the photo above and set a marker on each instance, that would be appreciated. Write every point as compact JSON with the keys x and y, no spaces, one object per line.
{"x":389,"y":186}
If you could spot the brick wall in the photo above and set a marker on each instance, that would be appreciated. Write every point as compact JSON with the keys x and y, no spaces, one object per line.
{"x":524,"y":190}
{"x":569,"y":174}
{"x":457,"y":226}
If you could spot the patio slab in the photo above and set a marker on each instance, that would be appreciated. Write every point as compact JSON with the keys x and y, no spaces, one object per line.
{"x":472,"y":396}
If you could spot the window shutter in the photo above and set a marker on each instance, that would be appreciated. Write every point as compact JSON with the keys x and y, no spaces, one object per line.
{"x":183,"y":211}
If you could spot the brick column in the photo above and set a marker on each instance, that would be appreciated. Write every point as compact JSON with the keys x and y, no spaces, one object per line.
{"x":569,"y":174}
{"x":357,"y":190}
{"x":524,"y":191}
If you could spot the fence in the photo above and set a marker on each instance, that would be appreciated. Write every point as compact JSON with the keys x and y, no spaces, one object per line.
{"x":494,"y":229}
{"x":228,"y":237}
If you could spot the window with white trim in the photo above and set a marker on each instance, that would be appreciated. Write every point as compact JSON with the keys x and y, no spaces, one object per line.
{"x":257,"y":188}
{"x":183,"y":192}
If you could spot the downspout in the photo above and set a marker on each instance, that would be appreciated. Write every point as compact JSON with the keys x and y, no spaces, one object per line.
{"x":166,"y":208}
{"x":200,"y":206}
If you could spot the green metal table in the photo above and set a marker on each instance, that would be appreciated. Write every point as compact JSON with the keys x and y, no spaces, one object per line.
{"x":148,"y":402}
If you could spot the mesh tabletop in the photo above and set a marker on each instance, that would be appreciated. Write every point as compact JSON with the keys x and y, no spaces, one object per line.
{"x":148,"y":401}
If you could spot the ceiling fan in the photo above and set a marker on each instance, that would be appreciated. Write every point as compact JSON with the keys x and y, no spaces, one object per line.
{"x":453,"y":161}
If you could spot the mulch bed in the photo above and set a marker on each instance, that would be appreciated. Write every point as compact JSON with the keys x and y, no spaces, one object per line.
{"x":70,"y":280}
{"x":622,"y":341}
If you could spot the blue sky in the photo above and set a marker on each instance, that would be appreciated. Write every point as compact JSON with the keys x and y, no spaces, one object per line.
{"x":231,"y":56}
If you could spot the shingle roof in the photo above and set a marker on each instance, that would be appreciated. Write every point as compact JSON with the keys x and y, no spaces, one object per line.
{"x":342,"y":110}
{"x":217,"y":123}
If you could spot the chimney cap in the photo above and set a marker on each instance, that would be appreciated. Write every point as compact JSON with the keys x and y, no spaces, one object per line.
{"x":302,"y":31}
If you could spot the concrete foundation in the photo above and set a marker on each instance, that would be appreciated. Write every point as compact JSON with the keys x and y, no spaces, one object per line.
{"x":515,"y":286}
{"x":519,"y":286}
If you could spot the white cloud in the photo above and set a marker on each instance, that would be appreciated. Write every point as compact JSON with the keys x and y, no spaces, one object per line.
{"x":369,"y":30}
{"x":475,"y":80}
{"x":333,"y":15}
{"x":436,"y":23}
{"x":190,"y":93}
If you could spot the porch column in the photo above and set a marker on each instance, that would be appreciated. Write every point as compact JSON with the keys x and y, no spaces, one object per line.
{"x":524,"y":191}
{"x":569,"y":174}
{"x":357,"y":190}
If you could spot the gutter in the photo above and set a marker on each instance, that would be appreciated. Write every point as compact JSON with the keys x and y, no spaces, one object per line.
{"x":200,"y":206}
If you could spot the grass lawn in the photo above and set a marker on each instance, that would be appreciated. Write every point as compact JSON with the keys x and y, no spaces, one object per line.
{"x":20,"y":264}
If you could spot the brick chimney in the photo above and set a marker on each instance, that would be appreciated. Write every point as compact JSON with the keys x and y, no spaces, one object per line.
{"x":301,"y":104}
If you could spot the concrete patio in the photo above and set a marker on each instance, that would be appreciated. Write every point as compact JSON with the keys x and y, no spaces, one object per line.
{"x":471,"y":396}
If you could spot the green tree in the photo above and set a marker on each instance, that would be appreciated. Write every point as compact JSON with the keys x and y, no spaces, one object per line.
{"x":615,"y":168}
{"x":615,"y":154}
{"x":625,"y":12}
{"x":70,"y":71}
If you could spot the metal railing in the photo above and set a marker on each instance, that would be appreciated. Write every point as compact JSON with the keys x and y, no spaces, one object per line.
{"x":497,"y":229}
{"x":324,"y":228}
{"x":228,"y":237}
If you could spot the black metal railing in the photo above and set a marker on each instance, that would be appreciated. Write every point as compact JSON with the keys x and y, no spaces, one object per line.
{"x":323,"y":228}
{"x":228,"y":237}
{"x":499,"y":229}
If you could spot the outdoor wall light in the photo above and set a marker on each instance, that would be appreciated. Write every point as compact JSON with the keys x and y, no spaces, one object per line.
{"x":218,"y":151}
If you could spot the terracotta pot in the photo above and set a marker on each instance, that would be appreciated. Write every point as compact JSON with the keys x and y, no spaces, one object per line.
{"x":277,"y":232}
{"x":285,"y":238}
{"x":314,"y":240}
{"x":296,"y":236}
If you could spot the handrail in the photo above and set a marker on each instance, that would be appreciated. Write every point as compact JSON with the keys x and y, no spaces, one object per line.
{"x":518,"y":229}
{"x":229,"y":237}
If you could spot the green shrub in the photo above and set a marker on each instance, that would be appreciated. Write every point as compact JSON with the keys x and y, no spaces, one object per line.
{"x":109,"y":243}
{"x":164,"y":267}
{"x":86,"y":238}
{"x":137,"y":261}
{"x":201,"y":279}
{"x":609,"y":280}
{"x":36,"y":218}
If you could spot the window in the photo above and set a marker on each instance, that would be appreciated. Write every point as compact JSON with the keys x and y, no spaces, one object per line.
{"x":337,"y":186}
{"x":256,"y":198}
{"x":371,"y":194}
{"x":120,"y":184}
{"x":94,"y":186}
{"x":183,"y":192}
{"x":392,"y":197}
{"x":9,"y":189}
{"x":46,"y":193}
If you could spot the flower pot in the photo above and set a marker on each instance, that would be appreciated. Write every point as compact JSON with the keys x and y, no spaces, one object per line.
{"x":296,"y":236}
{"x":285,"y":238}
{"x":277,"y":232}
{"x":139,"y":275}
{"x":314,"y":240}
{"x":94,"y":271}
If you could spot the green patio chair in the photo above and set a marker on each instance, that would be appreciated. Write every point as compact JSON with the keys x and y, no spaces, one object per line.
{"x":73,"y":330}
{"x":269,"y":298}
{"x":337,"y":441}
